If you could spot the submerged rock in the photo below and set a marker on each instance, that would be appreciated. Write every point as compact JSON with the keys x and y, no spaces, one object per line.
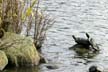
{"x":80,"y":49}
{"x":3,"y":60}
{"x":20,"y":50}
{"x":52,"y":67}
{"x":83,"y":51}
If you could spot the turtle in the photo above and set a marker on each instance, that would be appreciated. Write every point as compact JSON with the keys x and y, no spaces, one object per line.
{"x":94,"y":69}
{"x":82,"y":41}
{"x":89,"y":42}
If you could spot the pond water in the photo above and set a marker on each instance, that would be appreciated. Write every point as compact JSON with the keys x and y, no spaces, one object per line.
{"x":74,"y":17}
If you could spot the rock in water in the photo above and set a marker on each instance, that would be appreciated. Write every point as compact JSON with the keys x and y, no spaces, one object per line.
{"x":3,"y":60}
{"x":20,"y":50}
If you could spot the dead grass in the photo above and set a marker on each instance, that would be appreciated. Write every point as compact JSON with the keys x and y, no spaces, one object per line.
{"x":20,"y":16}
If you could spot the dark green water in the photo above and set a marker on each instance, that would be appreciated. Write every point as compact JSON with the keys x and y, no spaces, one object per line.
{"x":21,"y":69}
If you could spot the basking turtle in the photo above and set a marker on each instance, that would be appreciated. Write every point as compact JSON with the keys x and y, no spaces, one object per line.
{"x":82,"y":41}
{"x":86,"y":42}
{"x":94,"y":69}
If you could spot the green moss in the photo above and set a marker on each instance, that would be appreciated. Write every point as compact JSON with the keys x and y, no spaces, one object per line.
{"x":3,"y":60}
{"x":20,"y":50}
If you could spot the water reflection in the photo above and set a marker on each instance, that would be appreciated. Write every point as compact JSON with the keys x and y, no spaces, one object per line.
{"x":22,"y":69}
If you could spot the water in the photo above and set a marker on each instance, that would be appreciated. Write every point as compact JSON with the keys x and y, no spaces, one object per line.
{"x":21,"y":69}
{"x":74,"y":17}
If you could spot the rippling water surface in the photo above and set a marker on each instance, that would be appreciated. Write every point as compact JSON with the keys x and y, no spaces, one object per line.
{"x":75,"y":17}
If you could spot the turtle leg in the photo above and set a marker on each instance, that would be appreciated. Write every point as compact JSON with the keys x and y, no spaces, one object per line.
{"x":88,"y":36}
{"x":74,"y":37}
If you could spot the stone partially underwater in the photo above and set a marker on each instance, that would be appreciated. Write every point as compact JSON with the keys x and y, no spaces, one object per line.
{"x":19,"y":50}
{"x":82,"y":51}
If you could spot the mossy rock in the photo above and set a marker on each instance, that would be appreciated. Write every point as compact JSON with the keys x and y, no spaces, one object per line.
{"x":80,"y":49}
{"x":83,"y":51}
{"x":20,"y":50}
{"x":3,"y":60}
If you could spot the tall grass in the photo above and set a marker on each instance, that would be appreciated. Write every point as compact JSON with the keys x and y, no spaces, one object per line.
{"x":25,"y":16}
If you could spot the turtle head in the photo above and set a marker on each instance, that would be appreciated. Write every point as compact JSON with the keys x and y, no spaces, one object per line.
{"x":94,"y":45}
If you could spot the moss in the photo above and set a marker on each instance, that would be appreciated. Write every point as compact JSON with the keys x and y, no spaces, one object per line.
{"x":3,"y":60}
{"x":20,"y":50}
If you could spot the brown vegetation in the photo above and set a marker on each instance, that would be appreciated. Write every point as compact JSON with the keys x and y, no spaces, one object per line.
{"x":24,"y":16}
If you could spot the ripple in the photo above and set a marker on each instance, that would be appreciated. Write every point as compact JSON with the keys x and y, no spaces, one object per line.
{"x":75,"y":17}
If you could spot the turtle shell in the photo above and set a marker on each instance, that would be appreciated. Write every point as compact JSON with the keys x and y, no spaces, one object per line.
{"x":81,"y":41}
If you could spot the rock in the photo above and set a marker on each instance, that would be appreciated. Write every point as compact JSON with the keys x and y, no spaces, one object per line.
{"x":3,"y":60}
{"x":52,"y":67}
{"x":80,"y":49}
{"x":20,"y":50}
{"x":83,"y":51}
